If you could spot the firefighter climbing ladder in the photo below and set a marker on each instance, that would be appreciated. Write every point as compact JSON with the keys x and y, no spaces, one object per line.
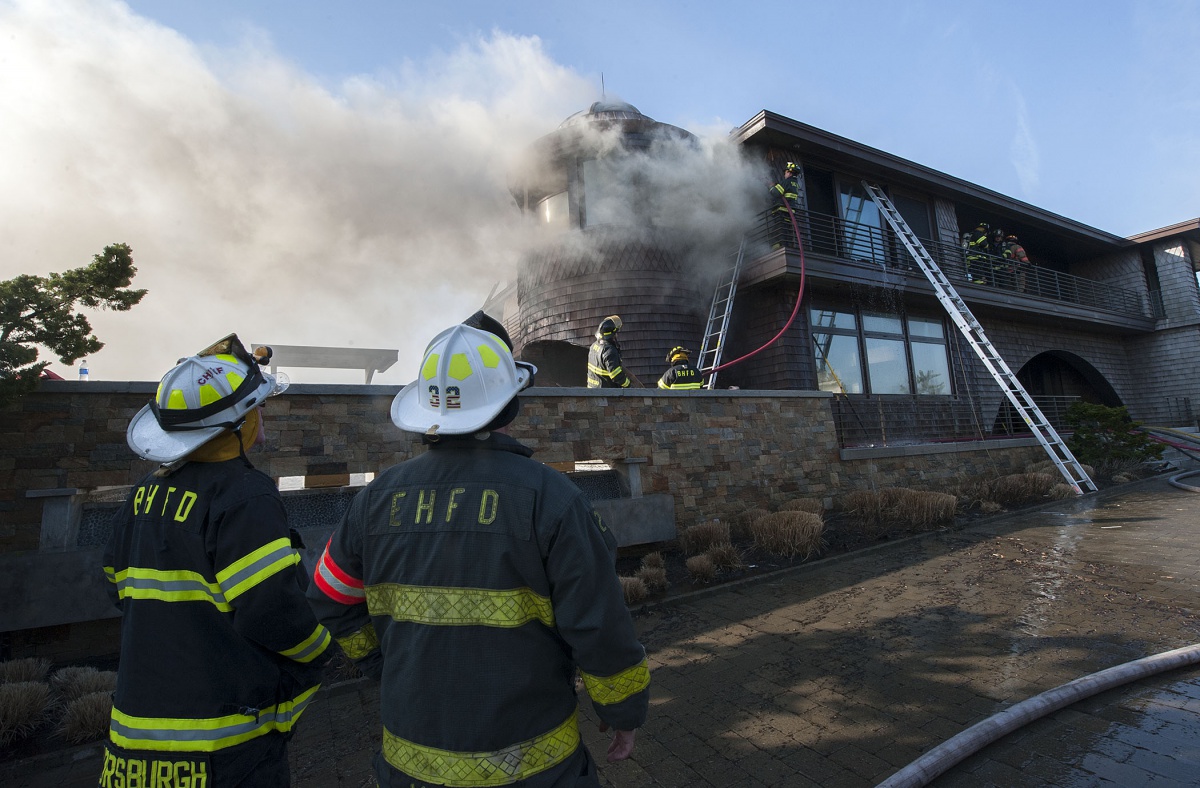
{"x":1062,"y":457}
{"x":718,"y":319}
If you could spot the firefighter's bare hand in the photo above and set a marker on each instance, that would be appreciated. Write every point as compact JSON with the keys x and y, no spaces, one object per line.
{"x":621,"y":746}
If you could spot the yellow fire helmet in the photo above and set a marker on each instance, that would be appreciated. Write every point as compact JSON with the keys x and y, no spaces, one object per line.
{"x":201,"y":397}
{"x":467,"y":377}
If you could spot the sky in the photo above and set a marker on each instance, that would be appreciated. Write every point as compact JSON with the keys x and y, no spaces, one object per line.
{"x":312,"y":173}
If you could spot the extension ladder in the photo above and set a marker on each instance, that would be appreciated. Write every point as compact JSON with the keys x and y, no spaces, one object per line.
{"x":1062,"y":457}
{"x":718,"y":319}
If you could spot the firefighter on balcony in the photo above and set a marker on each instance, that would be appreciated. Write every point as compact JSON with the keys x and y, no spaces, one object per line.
{"x":787,"y":190}
{"x":681,"y":376}
{"x":474,"y":581}
{"x":978,"y":264}
{"x":220,"y":652}
{"x":1003,"y":269}
{"x":1015,"y":254}
{"x":605,"y":370}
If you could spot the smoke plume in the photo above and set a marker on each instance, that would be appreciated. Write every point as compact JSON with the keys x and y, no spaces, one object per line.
{"x":258,"y":200}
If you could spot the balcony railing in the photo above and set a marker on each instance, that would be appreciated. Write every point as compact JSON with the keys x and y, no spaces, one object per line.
{"x":829,"y":235}
{"x":902,"y":420}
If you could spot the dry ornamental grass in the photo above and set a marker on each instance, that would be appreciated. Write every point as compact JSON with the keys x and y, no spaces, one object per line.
{"x":744,"y":523}
{"x":76,"y":681}
{"x":635,"y":590}
{"x":28,"y":669}
{"x":1017,"y":489}
{"x":698,"y":538}
{"x":24,"y":705}
{"x":900,"y":506}
{"x":725,"y":556}
{"x":810,"y":505}
{"x":87,"y":717}
{"x":701,"y":568}
{"x":654,"y":560}
{"x":789,"y":533}
{"x":655,"y":578}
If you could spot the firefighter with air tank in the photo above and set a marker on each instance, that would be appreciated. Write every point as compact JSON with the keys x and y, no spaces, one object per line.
{"x":474,"y":582}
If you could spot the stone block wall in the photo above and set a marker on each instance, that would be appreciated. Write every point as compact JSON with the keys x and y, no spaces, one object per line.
{"x":715,"y":453}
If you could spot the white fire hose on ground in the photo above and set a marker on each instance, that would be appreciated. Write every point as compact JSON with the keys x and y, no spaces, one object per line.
{"x":933,"y":763}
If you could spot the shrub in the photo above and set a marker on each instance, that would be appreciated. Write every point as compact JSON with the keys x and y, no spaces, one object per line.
{"x":702,"y":568}
{"x":654,"y":560}
{"x":655,"y":578}
{"x":24,"y":705}
{"x":1061,"y":492}
{"x":900,"y":506}
{"x":725,"y":556}
{"x":21,"y":670}
{"x":87,"y":717}
{"x":743,"y":523}
{"x":789,"y":534}
{"x":1017,"y":489}
{"x":76,"y":681}
{"x":1108,"y":439}
{"x":635,"y":590}
{"x":810,"y":505}
{"x":698,"y":538}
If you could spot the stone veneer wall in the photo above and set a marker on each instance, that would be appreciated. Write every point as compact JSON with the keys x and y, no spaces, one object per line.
{"x":718,"y":453}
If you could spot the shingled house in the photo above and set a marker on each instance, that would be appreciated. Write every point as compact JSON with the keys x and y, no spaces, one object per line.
{"x":1096,"y":317}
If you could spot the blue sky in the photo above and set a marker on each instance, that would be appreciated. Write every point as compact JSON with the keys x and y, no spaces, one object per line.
{"x":1088,"y":109}
{"x":345,"y":163}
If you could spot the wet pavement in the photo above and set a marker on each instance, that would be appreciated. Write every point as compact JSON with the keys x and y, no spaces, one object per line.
{"x":840,"y":672}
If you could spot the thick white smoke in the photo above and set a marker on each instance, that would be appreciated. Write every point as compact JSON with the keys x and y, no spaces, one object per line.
{"x":256,"y":200}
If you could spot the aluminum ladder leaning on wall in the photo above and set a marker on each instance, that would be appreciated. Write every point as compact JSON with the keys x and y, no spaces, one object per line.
{"x":718,"y":319}
{"x":1062,"y":457}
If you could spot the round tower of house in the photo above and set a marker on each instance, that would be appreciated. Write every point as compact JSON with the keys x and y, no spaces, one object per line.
{"x":596,"y":185}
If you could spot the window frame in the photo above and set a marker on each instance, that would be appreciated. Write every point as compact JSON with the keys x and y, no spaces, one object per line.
{"x":901,"y":333}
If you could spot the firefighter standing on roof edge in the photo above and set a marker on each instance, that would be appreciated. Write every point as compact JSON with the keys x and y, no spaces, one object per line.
{"x":474,"y":581}
{"x":681,"y":376}
{"x":605,"y":370}
{"x":1003,"y":269}
{"x":220,"y":652}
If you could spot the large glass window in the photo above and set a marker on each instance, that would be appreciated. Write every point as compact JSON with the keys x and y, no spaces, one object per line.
{"x":931,"y":367}
{"x":902,"y":356}
{"x":836,"y":352}
{"x":862,"y":232}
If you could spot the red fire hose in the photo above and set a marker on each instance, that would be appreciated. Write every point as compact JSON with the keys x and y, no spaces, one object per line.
{"x":799,"y":297}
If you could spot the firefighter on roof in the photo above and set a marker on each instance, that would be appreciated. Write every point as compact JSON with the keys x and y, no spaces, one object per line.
{"x":605,"y":370}
{"x":681,"y":376}
{"x":220,"y":652}
{"x":474,"y":581}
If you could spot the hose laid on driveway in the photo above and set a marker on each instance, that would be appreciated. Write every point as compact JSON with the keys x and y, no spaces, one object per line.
{"x":933,"y":763}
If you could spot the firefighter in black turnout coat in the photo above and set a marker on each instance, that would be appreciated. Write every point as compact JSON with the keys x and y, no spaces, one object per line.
{"x":475,"y":582}
{"x":220,"y":652}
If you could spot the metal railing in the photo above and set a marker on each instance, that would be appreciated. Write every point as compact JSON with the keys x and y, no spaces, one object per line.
{"x":863,"y":243}
{"x":894,"y":420}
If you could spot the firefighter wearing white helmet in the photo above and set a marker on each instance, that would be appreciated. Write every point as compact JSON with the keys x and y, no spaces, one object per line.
{"x":220,"y":652}
{"x":473,"y":548}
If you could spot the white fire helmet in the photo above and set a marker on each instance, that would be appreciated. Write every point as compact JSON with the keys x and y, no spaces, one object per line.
{"x":201,"y":397}
{"x":467,"y":377}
